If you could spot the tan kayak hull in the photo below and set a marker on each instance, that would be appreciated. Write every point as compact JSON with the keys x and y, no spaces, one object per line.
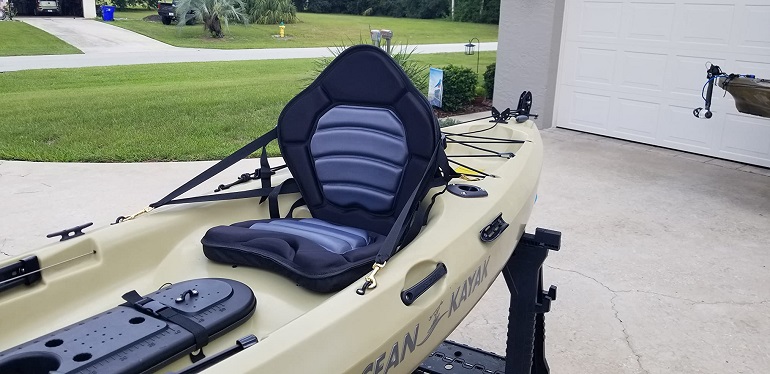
{"x":299,"y":331}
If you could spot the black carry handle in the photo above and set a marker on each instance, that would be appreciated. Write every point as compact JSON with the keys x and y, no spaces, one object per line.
{"x":409,"y":295}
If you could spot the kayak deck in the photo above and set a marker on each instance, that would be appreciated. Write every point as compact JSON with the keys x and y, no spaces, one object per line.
{"x":164,"y":247}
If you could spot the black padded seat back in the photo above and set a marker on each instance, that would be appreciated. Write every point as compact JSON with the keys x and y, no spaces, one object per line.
{"x":359,"y":139}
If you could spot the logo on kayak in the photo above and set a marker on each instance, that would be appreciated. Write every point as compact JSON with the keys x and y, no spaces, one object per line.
{"x":400,"y":349}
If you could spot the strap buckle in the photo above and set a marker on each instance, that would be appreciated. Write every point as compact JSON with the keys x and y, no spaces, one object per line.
{"x":150,"y":306}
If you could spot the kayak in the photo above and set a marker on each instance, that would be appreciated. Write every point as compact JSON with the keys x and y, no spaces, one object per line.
{"x":160,"y":290}
{"x":751,"y":94}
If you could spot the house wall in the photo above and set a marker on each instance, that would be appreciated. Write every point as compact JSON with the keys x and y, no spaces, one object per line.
{"x":529,"y":40}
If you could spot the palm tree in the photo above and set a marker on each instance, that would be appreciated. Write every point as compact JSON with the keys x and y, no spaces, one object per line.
{"x":213,"y":12}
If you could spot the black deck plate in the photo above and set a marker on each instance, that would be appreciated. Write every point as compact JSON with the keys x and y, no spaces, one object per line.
{"x":456,"y":358}
{"x":124,"y":340}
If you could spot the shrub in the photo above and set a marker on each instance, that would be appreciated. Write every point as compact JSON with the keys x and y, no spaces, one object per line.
{"x":213,"y":13}
{"x":489,"y":80}
{"x":459,"y":87}
{"x":269,"y":12}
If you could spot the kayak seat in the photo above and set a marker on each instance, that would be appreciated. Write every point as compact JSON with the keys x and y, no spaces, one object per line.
{"x":359,"y":141}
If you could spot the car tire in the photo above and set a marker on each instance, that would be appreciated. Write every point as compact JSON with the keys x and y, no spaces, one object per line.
{"x":166,"y":20}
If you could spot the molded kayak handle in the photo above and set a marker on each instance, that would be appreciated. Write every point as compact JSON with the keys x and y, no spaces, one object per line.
{"x":494,"y":229}
{"x":409,"y":295}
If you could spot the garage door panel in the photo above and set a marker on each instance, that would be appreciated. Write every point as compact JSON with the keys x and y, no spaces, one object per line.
{"x":634,"y":69}
{"x":595,"y":65}
{"x":760,"y":69}
{"x":688,"y":74}
{"x":745,"y":136}
{"x":681,"y":130}
{"x":754,"y":27}
{"x":649,"y":21}
{"x":643,"y":70}
{"x":705,"y":23}
{"x":600,"y":19}
{"x":588,"y":111}
{"x":634,"y":119}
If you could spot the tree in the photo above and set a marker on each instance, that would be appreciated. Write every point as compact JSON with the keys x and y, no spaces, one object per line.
{"x":213,"y":12}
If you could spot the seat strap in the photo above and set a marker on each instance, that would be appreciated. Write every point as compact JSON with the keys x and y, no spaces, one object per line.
{"x":300,"y":202}
{"x":215,"y":169}
{"x":265,"y":172}
{"x":155,"y":308}
{"x":420,"y":218}
{"x":391,"y":242}
{"x":287,"y":186}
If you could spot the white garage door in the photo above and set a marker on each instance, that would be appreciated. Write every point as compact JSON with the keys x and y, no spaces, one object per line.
{"x":634,"y":70}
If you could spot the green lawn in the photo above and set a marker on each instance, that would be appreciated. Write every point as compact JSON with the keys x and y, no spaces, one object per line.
{"x":314,"y":30}
{"x":187,"y":111}
{"x":21,"y":39}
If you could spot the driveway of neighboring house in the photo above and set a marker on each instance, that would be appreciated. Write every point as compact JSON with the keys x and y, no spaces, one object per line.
{"x":93,"y":37}
{"x":664,"y":266}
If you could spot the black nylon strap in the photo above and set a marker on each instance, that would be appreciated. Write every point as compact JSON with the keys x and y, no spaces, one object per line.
{"x":215,"y":169}
{"x":264,"y":172}
{"x":257,"y":192}
{"x":300,"y":202}
{"x":148,"y":306}
{"x":420,"y":218}
{"x":287,"y":186}
{"x":391,"y":243}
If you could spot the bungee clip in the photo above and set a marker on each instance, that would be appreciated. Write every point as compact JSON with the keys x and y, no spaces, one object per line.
{"x":369,"y":281}
{"x":137,"y":214}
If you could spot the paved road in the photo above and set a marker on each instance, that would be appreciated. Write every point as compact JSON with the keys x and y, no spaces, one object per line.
{"x":107,"y":45}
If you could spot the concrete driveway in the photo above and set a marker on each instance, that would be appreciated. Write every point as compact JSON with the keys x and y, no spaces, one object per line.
{"x":91,"y":36}
{"x":664,"y":265}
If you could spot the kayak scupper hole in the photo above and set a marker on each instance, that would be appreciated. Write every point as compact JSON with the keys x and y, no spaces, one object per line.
{"x":136,"y":320}
{"x":80,"y":357}
{"x":54,"y":343}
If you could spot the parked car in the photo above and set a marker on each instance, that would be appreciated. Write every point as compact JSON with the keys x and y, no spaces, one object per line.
{"x":167,"y":12}
{"x":47,"y":7}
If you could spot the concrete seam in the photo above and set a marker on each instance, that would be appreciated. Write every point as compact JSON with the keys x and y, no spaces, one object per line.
{"x":3,"y":245}
{"x":626,"y":335}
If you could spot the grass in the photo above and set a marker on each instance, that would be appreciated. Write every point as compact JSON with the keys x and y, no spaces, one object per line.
{"x":314,"y":30}
{"x":21,"y":39}
{"x":162,"y":112}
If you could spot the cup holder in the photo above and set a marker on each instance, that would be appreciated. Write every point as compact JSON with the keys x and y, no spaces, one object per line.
{"x":30,"y":363}
{"x":467,"y":190}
